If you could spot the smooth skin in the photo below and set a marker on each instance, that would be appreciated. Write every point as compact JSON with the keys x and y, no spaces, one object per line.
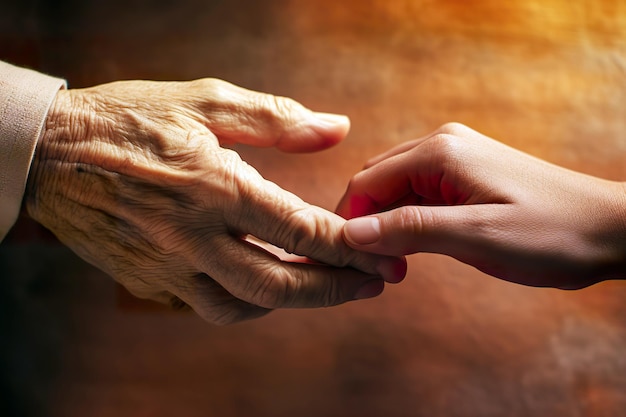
{"x":513,"y":216}
{"x":133,"y":176}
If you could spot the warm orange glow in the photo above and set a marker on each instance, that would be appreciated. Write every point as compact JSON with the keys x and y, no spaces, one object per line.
{"x":548,"y":77}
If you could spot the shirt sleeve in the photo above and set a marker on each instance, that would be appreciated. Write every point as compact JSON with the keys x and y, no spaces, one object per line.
{"x":25,"y":98}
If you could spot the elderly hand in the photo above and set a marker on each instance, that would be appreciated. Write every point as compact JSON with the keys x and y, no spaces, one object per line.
{"x":132,"y":177}
{"x":513,"y":216}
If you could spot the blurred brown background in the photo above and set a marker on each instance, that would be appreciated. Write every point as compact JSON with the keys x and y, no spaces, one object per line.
{"x":548,"y":77}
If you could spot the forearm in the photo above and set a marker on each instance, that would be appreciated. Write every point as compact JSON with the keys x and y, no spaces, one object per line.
{"x":613,"y":234}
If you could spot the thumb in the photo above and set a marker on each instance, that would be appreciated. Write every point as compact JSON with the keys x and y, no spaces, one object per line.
{"x":451,"y":230}
{"x":238,"y":115}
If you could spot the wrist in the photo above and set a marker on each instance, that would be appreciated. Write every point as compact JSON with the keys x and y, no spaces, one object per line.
{"x":613,"y":234}
{"x":41,"y":173}
{"x":621,"y":224}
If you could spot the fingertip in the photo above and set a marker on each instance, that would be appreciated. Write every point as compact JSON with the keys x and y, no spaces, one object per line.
{"x":324,"y":130}
{"x":393,"y":270}
{"x":362,"y":231}
{"x":370,"y":289}
{"x":334,"y":127}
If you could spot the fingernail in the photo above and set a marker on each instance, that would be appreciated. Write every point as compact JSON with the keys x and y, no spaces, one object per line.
{"x":370,"y":289}
{"x":331,"y":120}
{"x":362,"y":230}
{"x":392,"y":270}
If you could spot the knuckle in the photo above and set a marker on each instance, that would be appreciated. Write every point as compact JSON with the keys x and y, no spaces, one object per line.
{"x":356,"y":181}
{"x":316,"y":237}
{"x":284,"y":106}
{"x":281,"y":288}
{"x":213,"y":97}
{"x":308,"y":232}
{"x":454,"y":128}
{"x":298,"y":232}
{"x":240,"y":184}
{"x":447,"y":148}
{"x":276,"y":109}
{"x":274,"y":288}
{"x":214,"y":85}
{"x":411,"y":219}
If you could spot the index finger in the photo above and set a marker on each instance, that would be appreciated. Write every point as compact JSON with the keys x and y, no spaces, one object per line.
{"x":279,"y":217}
{"x":383,"y":185}
{"x":262,"y":279}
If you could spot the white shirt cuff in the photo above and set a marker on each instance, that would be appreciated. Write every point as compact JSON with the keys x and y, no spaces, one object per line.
{"x":25,"y":98}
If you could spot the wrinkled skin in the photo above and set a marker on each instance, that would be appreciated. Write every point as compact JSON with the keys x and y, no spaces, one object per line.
{"x":513,"y":216}
{"x":132,"y":176}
